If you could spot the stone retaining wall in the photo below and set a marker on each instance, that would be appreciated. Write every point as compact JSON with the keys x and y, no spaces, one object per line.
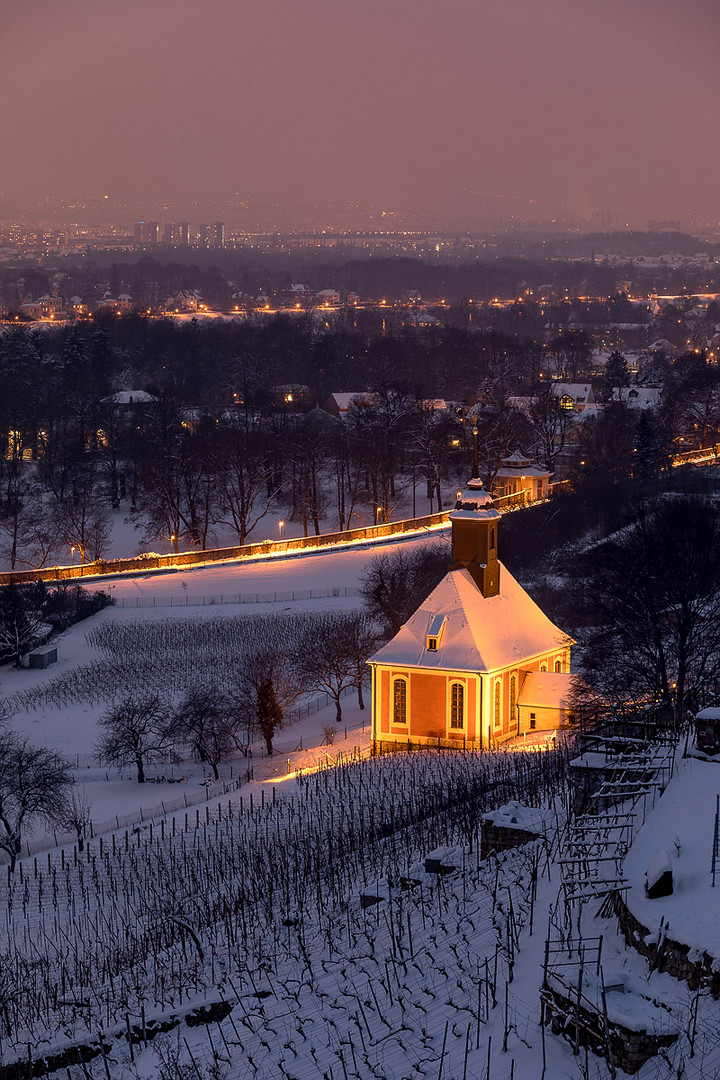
{"x":583,"y":1027}
{"x":79,"y":1053}
{"x":672,"y":956}
{"x":502,"y":837}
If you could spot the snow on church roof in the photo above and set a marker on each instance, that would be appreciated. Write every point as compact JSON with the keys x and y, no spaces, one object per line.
{"x":546,"y":689}
{"x":481,"y":633}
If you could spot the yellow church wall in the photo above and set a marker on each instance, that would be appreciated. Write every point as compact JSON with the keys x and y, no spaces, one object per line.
{"x":428,"y":704}
{"x":545,"y":719}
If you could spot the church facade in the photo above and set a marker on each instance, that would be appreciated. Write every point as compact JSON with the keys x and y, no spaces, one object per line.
{"x":478,"y":663}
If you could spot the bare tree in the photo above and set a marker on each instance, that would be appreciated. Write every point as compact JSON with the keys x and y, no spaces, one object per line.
{"x":333,"y":654}
{"x":395,"y":584}
{"x":308,"y":455}
{"x":323,"y":661}
{"x":76,"y":817}
{"x":22,"y":624}
{"x":205,"y":724}
{"x":244,"y":476}
{"x":15,"y":508}
{"x":655,"y":589}
{"x":34,"y":784}
{"x":136,"y":732}
{"x":550,"y":424}
{"x":81,"y":519}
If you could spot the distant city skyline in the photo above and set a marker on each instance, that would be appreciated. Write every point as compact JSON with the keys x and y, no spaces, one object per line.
{"x":594,"y":111}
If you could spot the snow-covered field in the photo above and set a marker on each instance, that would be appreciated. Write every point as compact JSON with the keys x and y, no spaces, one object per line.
{"x":289,"y":926}
{"x":194,"y":594}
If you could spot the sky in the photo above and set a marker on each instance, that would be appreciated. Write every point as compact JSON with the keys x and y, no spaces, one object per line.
{"x":435,"y":105}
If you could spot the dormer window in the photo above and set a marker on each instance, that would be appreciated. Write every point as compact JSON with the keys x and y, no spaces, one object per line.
{"x":435,"y":633}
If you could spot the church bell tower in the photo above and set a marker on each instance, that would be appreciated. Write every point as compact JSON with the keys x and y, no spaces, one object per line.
{"x":475,"y":524}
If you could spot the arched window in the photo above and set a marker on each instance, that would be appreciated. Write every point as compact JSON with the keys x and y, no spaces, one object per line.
{"x":513,"y":697}
{"x":498,"y":703}
{"x":543,"y":667}
{"x":399,"y":701}
{"x":457,"y":706}
{"x":558,"y":665}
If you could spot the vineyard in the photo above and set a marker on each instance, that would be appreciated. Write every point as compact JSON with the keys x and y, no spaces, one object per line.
{"x":166,"y":656}
{"x":306,"y":927}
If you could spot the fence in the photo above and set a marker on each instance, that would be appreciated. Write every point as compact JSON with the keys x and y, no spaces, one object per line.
{"x":267,"y":768}
{"x":211,"y":790}
{"x":233,"y":598}
{"x":266,"y":549}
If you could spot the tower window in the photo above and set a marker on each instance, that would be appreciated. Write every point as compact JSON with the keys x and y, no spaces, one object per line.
{"x":457,"y":706}
{"x":399,"y":701}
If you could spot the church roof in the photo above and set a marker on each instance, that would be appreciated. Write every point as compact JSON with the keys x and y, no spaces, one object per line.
{"x":481,"y":633}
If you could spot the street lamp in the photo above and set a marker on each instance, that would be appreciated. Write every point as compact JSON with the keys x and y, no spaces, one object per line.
{"x":475,"y":457}
{"x":72,"y":555}
{"x":280,"y":529}
{"x":378,"y":512}
{"x":172,"y":541}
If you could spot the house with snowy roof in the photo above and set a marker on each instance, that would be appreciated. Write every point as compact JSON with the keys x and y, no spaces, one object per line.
{"x":575,"y":397}
{"x":479,"y":662}
{"x":638,"y":397}
{"x":518,"y":475}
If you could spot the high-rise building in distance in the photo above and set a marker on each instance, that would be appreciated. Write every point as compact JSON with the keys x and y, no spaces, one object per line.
{"x":147,"y":232}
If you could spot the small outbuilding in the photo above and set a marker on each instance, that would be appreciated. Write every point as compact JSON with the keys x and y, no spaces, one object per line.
{"x":517,"y":475}
{"x":42,"y":658}
{"x":707,"y":730}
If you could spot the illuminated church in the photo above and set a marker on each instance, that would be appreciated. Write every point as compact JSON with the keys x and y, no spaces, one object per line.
{"x":479,"y":662}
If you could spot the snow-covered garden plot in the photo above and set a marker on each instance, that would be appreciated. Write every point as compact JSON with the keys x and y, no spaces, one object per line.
{"x":263,"y":909}
{"x":163,"y":656}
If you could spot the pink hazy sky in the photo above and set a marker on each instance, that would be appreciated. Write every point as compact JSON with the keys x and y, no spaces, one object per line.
{"x":589,"y":104}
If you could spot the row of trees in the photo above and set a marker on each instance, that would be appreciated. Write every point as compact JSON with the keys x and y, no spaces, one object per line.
{"x":142,"y":728}
{"x":210,"y":724}
{"x":232,"y":425}
{"x":187,"y":481}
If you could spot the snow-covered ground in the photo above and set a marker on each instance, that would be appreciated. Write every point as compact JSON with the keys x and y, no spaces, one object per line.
{"x":681,"y":831}
{"x":196,"y":594}
{"x":261,"y":912}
